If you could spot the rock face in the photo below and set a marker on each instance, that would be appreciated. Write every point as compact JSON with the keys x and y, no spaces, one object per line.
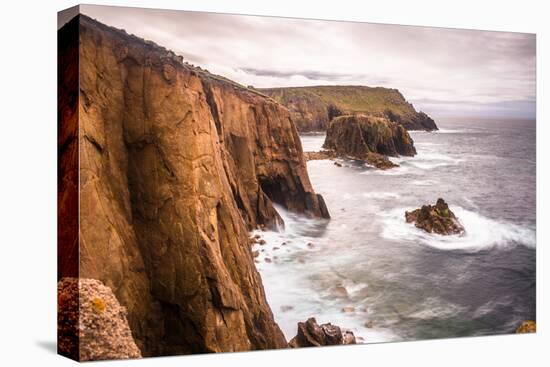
{"x":527,"y":327}
{"x":310,"y":334}
{"x":435,"y":219}
{"x":176,"y":166}
{"x":92,"y":324}
{"x":312,"y":108}
{"x":322,"y":154}
{"x":368,"y":138}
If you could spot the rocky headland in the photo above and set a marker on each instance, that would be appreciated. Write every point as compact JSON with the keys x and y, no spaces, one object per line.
{"x":367,"y":138}
{"x":436,"y":218}
{"x":176,"y":166}
{"x":312,"y":108}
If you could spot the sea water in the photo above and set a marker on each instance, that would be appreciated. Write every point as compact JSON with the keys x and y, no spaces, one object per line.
{"x":369,"y":271}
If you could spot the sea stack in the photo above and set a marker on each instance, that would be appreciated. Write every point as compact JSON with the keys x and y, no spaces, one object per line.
{"x":368,"y":138}
{"x":435,"y":219}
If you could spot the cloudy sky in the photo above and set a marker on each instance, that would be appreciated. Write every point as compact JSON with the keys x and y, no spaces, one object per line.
{"x":445,"y":72}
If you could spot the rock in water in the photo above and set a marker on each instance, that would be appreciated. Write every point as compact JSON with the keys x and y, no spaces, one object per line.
{"x":527,"y":327}
{"x":435,"y":219}
{"x":310,"y":334}
{"x":367,"y":138}
{"x":92,"y":324}
{"x":176,"y":166}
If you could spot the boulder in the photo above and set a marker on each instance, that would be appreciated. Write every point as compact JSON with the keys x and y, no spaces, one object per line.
{"x":435,"y":219}
{"x":527,"y":327}
{"x":310,"y":334}
{"x":92,"y":324}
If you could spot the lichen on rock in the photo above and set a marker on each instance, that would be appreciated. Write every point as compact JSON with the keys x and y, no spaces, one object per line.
{"x":92,"y":325}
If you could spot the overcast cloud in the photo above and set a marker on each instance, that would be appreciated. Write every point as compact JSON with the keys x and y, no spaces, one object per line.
{"x":445,"y":72}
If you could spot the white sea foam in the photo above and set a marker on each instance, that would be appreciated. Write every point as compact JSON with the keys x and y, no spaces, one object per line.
{"x":482,"y":233}
{"x":452,"y":131}
{"x":290,"y":294}
{"x":423,"y":182}
{"x":381,"y":195}
{"x":427,"y":160}
{"x":396,"y":171}
{"x":433,"y":308}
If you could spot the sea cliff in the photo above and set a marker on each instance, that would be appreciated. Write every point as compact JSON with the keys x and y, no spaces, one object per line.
{"x":176,"y":166}
{"x":312,"y":108}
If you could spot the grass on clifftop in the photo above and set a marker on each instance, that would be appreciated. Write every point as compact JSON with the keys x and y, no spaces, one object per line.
{"x":351,"y":99}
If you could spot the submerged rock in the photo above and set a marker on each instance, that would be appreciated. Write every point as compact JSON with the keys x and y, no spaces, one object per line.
{"x":527,"y":327}
{"x":91,"y":323}
{"x":311,"y":334}
{"x":435,"y":219}
{"x":369,"y":139}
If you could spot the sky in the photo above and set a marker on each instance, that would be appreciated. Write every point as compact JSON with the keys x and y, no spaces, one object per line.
{"x":444,"y":72}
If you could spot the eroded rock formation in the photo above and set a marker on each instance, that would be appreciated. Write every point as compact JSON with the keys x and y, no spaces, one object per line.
{"x":176,"y":166}
{"x":312,"y":108}
{"x":368,"y":138}
{"x":435,"y":219}
{"x":310,"y":334}
{"x":92,"y":324}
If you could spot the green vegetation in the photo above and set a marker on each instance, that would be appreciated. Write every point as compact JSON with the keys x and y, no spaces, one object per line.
{"x":349,"y":99}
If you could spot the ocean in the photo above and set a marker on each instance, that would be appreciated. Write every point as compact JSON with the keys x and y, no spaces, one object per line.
{"x":369,"y":271}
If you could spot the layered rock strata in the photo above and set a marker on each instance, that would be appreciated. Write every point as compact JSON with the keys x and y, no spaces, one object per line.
{"x":176,"y":166}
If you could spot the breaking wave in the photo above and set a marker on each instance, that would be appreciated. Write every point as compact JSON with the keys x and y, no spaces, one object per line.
{"x":482,"y":233}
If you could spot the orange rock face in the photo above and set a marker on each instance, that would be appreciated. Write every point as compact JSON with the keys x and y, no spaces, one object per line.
{"x":176,"y":166}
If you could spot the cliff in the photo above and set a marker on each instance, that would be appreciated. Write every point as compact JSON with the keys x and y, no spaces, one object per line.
{"x":176,"y":166}
{"x":368,"y":138}
{"x":312,"y":108}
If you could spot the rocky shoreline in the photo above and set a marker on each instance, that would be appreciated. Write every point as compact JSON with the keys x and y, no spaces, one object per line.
{"x":175,"y":168}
